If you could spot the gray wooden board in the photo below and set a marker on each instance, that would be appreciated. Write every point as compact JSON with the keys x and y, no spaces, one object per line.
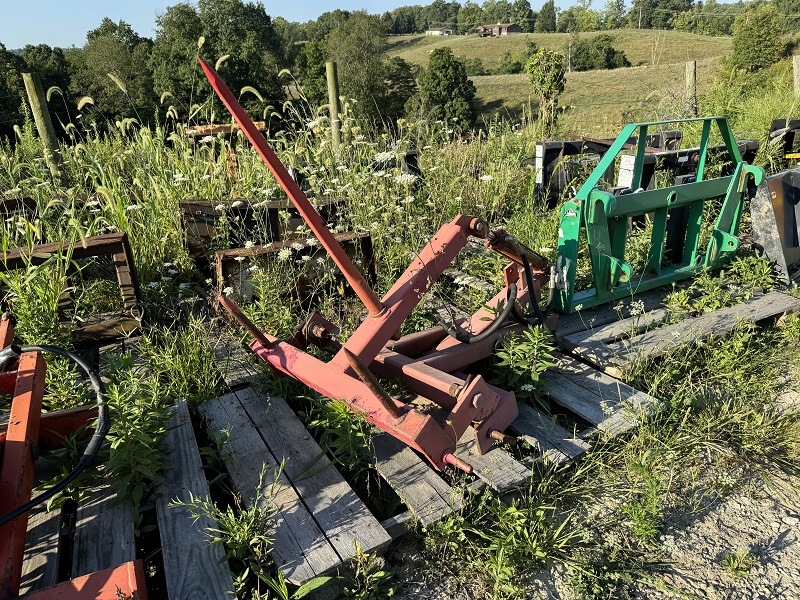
{"x":718,"y":324}
{"x":301,"y":550}
{"x":497,"y":467}
{"x":426,"y":494}
{"x":336,"y":508}
{"x":234,"y":361}
{"x":614,"y":331}
{"x":104,"y":535}
{"x":40,"y":564}
{"x":592,"y":318}
{"x":193,"y":567}
{"x":554,"y":442}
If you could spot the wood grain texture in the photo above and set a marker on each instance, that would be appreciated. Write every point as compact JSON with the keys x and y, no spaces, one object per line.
{"x":554,"y":442}
{"x":420,"y":488}
{"x":718,"y":324}
{"x":497,"y":467}
{"x":193,"y":567}
{"x":40,"y":564}
{"x":301,"y":550}
{"x":608,"y":313}
{"x":104,"y":536}
{"x":336,"y":508}
{"x":233,"y":361}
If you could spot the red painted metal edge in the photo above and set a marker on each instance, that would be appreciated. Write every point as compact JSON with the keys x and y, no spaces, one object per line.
{"x":54,"y":426}
{"x":125,"y":581}
{"x":16,"y":474}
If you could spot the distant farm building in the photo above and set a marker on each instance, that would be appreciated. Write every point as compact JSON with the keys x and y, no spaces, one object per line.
{"x":497,"y":30}
{"x":439,"y":31}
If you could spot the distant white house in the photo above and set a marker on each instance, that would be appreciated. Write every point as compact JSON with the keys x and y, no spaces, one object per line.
{"x":439,"y":31}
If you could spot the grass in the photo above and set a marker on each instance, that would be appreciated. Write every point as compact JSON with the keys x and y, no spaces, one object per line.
{"x":597,"y":101}
{"x":642,"y":47}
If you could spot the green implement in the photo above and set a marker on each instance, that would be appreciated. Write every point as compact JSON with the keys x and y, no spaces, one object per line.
{"x":677,"y":214}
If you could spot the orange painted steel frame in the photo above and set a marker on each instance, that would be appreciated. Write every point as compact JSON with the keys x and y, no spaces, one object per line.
{"x":18,"y":449}
{"x":432,"y":363}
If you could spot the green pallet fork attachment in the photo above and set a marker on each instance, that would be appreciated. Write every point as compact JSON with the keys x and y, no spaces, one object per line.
{"x":604,"y":220}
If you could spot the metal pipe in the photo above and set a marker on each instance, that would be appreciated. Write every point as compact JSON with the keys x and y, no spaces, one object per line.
{"x":452,"y":459}
{"x":374,"y":386}
{"x":237,"y":314}
{"x":296,"y":195}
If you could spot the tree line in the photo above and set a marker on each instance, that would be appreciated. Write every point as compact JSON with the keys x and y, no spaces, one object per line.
{"x":118,"y":73}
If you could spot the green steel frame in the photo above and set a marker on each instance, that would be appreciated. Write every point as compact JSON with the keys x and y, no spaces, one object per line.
{"x":604,"y":218}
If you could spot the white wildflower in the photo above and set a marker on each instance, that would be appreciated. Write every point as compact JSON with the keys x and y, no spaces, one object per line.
{"x":297,"y":246}
{"x":382,"y":157}
{"x":311,"y":242}
{"x":284,"y":254}
{"x":344,"y":168}
{"x":527,"y":387}
{"x":237,"y":204}
{"x":405,"y":179}
{"x":93,"y":203}
{"x":637,"y":308}
{"x":427,"y":147}
{"x":305,"y":258}
{"x":206,"y":177}
{"x":227,"y":290}
{"x":219,"y":207}
{"x":254,"y":268}
{"x":249,"y":244}
{"x":172,"y":272}
{"x":179,"y":178}
{"x":486,"y":177}
{"x":545,"y":250}
{"x":154,"y":285}
{"x":579,"y":307}
{"x":374,"y":225}
{"x":134,"y":207}
{"x":239,"y":258}
{"x":408,"y":199}
{"x":379,"y":173}
{"x":206,"y":139}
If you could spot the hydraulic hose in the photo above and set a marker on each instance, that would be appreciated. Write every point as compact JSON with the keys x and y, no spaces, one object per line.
{"x":100,"y":432}
{"x":465,"y":337}
{"x":540,"y":316}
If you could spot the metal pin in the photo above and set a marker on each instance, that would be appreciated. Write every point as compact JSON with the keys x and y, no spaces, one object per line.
{"x":452,"y":459}
{"x":502,"y":437}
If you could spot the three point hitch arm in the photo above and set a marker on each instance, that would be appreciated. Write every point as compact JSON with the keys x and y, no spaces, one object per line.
{"x":432,"y":362}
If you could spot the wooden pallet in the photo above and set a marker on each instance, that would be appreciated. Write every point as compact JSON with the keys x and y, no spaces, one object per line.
{"x":585,"y":401}
{"x":603,"y":339}
{"x":104,"y":537}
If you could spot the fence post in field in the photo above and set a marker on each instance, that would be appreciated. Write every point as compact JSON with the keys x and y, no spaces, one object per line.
{"x":333,"y":103}
{"x":44,"y":125}
{"x":691,"y":84}
{"x":796,"y":72}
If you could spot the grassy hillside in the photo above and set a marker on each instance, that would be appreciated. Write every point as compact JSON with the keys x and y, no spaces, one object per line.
{"x":597,"y":99}
{"x":641,"y":46}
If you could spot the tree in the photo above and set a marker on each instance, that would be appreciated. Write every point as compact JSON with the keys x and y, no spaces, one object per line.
{"x":401,"y":84}
{"x":598,"y":53}
{"x":53,"y":70}
{"x":12,"y":91}
{"x":312,"y":73}
{"x":522,"y":14}
{"x":445,"y":91}
{"x":470,"y":16}
{"x":546,"y":23}
{"x":174,"y":56}
{"x":757,"y":38}
{"x":614,"y":14}
{"x":547,"y":75}
{"x":358,"y":47}
{"x":113,"y":68}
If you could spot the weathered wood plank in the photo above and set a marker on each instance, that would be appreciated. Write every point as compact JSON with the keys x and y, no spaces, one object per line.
{"x":497,"y":467}
{"x":104,"y":535}
{"x":593,"y":318}
{"x":427,"y":496}
{"x":614,"y":331}
{"x":337,"y":509}
{"x":40,"y":564}
{"x":193,"y":568}
{"x":554,"y":442}
{"x":300,"y":550}
{"x":234,"y":362}
{"x":718,"y":324}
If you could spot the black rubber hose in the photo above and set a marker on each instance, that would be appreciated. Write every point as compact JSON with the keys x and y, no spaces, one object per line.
{"x":526,"y":265}
{"x":100,"y":432}
{"x":467,"y":338}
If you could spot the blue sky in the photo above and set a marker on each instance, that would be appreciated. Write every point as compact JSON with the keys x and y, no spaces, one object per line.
{"x":64,"y":23}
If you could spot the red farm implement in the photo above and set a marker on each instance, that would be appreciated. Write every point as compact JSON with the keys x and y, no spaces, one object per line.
{"x":430,"y":363}
{"x":22,"y":374}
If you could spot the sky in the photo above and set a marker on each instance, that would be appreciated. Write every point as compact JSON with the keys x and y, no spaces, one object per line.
{"x":64,"y":23}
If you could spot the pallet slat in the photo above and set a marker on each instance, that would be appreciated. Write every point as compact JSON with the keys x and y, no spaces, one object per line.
{"x":104,"y":536}
{"x":233,"y":362}
{"x":300,"y":549}
{"x":337,"y":509}
{"x":426,"y":494}
{"x":497,"y":468}
{"x":591,"y":319}
{"x":718,"y":324}
{"x":554,"y":442}
{"x":193,"y":568}
{"x":40,"y":564}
